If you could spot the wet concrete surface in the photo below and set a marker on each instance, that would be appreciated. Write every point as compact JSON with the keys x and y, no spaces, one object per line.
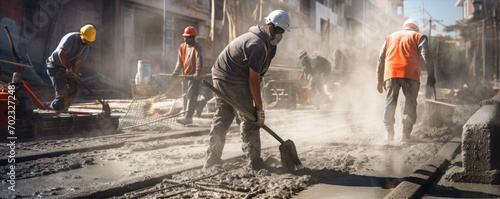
{"x":343,"y":151}
{"x":377,"y":183}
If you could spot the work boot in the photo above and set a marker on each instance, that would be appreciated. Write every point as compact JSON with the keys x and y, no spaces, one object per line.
{"x":185,"y":121}
{"x":389,"y":135}
{"x":211,"y":163}
{"x":257,"y":164}
{"x":406,"y":136}
{"x":199,"y":110}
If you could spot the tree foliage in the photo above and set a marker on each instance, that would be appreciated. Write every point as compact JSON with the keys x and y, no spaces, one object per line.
{"x":466,"y":28}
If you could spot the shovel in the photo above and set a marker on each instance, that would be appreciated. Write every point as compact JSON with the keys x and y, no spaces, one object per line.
{"x":438,"y":111}
{"x":106,"y":110}
{"x":289,"y":158}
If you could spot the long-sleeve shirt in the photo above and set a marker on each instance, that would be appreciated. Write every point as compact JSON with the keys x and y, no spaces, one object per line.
{"x":422,"y":50}
{"x":193,"y":59}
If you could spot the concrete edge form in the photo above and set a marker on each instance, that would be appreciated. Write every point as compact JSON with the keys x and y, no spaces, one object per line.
{"x":414,"y":186}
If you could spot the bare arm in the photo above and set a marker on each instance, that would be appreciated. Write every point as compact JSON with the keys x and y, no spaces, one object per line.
{"x":255,"y":88}
{"x":62,"y":57}
{"x":77,"y":65}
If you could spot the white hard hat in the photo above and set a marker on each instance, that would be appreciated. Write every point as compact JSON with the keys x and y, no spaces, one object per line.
{"x":279,"y":18}
{"x":411,"y":21}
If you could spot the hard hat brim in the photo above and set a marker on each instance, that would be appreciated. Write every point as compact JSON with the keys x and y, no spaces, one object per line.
{"x":89,"y":39}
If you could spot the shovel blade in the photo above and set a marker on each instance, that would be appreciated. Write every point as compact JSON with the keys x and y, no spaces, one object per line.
{"x":438,"y":112}
{"x":289,"y":159}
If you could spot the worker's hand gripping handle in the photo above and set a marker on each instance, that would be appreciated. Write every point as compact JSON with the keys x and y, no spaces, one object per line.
{"x":261,"y":117}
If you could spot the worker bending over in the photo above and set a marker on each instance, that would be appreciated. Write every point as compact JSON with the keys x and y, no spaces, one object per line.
{"x":63,"y":65}
{"x":317,"y":69}
{"x":237,"y":73}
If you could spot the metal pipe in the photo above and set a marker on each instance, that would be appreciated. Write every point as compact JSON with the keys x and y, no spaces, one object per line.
{"x":15,"y":64}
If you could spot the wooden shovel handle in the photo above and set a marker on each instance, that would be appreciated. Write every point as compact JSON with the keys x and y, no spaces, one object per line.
{"x":241,"y":110}
{"x":435,"y":96}
{"x":184,"y":76}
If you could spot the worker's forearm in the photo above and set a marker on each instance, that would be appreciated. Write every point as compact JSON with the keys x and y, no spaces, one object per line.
{"x":178,"y":67}
{"x":62,"y":57}
{"x":78,"y":63}
{"x":428,"y":60}
{"x":255,"y":89}
{"x":380,"y":71}
{"x":381,"y":65}
{"x":199,"y":65}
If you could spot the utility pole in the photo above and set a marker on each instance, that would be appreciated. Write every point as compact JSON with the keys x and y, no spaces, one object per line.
{"x":364,"y":23}
{"x":430,"y":29}
{"x":423,"y":15}
{"x":164,"y":32}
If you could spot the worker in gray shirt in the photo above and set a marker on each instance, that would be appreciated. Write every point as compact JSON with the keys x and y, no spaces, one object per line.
{"x":237,"y":73}
{"x":317,"y":69}
{"x":64,"y":63}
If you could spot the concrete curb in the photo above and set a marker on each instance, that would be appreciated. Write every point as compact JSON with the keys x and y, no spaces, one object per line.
{"x":416,"y":184}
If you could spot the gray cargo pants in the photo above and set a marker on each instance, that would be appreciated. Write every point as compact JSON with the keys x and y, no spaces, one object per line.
{"x":410,"y":89}
{"x":224,"y":115}
{"x":192,"y":87}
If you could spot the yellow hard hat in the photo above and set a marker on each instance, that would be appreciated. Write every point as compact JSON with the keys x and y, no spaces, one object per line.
{"x":88,"y":31}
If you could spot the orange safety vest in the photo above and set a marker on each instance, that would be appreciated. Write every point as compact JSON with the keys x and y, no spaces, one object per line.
{"x":189,"y":66}
{"x":402,"y":59}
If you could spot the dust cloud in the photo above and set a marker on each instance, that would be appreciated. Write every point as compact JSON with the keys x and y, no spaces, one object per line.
{"x":355,"y":106}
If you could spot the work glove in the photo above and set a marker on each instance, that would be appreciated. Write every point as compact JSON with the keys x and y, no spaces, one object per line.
{"x":381,"y":87}
{"x":71,"y":74}
{"x":260,"y":118}
{"x":196,"y":76}
{"x":431,"y":81}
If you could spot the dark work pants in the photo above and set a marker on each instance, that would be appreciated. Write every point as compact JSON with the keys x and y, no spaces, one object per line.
{"x":410,"y":89}
{"x":224,"y":115}
{"x":317,"y":91}
{"x":66,"y":89}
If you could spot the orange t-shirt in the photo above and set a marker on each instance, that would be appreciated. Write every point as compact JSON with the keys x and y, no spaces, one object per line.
{"x":402,"y":59}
